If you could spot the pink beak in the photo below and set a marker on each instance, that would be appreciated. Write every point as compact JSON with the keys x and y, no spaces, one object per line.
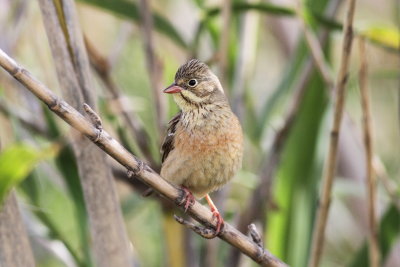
{"x":173,"y":89}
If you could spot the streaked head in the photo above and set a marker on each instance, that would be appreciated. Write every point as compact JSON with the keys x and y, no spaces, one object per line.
{"x":195,"y":85}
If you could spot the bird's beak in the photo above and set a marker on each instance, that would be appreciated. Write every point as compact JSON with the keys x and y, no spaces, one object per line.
{"x":173,"y":89}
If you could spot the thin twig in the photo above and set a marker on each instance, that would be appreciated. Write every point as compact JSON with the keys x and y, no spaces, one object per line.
{"x":96,"y":121}
{"x":102,"y":67}
{"x":120,"y":154}
{"x":374,"y":254}
{"x":245,"y":60}
{"x":323,"y":209}
{"x":154,"y":67}
{"x":315,"y":49}
{"x":255,"y":235}
{"x":123,"y":36}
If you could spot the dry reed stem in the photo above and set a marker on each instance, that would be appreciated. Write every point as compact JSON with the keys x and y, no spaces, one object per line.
{"x":330,"y":168}
{"x":374,"y":254}
{"x":74,"y":76}
{"x":15,"y":249}
{"x":120,"y":154}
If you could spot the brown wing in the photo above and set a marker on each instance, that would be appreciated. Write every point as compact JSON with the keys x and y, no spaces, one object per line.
{"x":168,"y":144}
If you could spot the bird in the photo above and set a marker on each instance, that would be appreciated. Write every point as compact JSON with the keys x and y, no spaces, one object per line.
{"x":203,"y":147}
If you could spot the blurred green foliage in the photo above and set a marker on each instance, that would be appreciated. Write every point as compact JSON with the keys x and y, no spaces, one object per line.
{"x":17,"y":161}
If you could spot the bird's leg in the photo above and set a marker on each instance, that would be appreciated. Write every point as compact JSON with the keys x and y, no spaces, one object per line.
{"x":187,"y":200}
{"x":216,"y":214}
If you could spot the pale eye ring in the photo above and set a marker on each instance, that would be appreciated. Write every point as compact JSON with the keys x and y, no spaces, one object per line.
{"x":192,"y":83}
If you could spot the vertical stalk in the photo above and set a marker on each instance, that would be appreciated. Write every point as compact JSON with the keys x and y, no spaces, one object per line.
{"x":374,"y":256}
{"x":110,"y":243}
{"x":340,"y":86}
{"x":15,"y":249}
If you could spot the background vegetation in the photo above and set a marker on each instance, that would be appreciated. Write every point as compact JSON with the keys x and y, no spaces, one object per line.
{"x":258,"y":50}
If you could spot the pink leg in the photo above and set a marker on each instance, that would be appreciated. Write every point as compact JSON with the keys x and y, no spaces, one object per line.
{"x":216,"y":214}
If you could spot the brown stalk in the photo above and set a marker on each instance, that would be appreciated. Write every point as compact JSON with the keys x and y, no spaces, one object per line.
{"x":154,"y":67}
{"x":323,"y":209}
{"x":74,"y":76}
{"x":374,"y":254}
{"x":120,"y":154}
{"x":15,"y":249}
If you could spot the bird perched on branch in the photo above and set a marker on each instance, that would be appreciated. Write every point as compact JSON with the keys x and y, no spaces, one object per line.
{"x":203,"y":148}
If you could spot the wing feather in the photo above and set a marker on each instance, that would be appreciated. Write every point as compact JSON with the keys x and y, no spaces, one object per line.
{"x":168,"y":144}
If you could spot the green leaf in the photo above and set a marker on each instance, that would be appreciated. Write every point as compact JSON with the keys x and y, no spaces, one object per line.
{"x":388,"y":36}
{"x":130,"y":10}
{"x":17,"y":161}
{"x":264,"y":7}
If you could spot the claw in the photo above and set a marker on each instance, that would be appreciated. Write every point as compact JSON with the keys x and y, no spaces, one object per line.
{"x":187,"y":199}
{"x":220,"y":221}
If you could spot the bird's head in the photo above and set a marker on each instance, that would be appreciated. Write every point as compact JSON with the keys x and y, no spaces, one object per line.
{"x":195,"y":85}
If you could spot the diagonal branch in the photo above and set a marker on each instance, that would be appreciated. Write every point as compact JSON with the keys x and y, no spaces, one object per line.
{"x":120,"y":154}
{"x":315,"y":48}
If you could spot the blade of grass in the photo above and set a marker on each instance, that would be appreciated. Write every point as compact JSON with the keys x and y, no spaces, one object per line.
{"x":130,"y":10}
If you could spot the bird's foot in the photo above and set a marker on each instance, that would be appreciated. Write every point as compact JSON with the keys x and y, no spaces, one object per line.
{"x":220,"y":221}
{"x":187,"y":199}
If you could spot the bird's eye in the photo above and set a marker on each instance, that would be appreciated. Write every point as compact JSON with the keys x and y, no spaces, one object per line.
{"x":192,"y":82}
